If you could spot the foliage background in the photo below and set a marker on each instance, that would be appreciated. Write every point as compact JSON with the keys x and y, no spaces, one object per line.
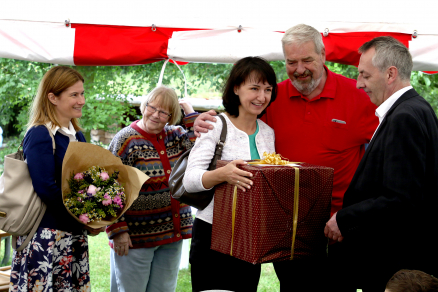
{"x":109,"y":89}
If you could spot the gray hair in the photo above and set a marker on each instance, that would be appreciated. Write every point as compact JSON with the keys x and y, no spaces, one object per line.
{"x":390,"y":52}
{"x":303,"y":33}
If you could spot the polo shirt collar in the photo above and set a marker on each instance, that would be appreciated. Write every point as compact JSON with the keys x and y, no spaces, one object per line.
{"x":329,"y":90}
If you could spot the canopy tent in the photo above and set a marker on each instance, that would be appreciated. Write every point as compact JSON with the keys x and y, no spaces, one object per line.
{"x":138,"y":32}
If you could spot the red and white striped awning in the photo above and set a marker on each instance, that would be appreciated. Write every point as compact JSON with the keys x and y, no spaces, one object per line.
{"x":139,"y":32}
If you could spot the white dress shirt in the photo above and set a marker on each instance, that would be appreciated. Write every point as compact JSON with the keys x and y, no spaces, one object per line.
{"x":387,"y":104}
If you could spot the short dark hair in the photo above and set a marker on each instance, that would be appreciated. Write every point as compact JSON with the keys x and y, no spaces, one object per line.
{"x":412,"y":281}
{"x":390,"y":52}
{"x":254,"y":67}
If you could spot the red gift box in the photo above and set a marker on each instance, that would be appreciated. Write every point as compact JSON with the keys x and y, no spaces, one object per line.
{"x":261,"y":229}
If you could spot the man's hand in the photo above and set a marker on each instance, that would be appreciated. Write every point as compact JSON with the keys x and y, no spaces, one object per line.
{"x":121,"y":243}
{"x":201,"y":126}
{"x":332,"y":231}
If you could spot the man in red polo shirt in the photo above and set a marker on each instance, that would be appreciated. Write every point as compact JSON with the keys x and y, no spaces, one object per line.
{"x":321,"y":118}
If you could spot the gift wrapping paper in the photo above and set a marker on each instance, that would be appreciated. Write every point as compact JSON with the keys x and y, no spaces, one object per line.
{"x":261,"y":229}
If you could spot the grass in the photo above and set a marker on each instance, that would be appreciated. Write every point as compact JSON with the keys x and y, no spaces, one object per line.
{"x":100,"y":269}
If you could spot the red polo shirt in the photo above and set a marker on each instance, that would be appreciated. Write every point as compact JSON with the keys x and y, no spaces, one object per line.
{"x":305,"y":130}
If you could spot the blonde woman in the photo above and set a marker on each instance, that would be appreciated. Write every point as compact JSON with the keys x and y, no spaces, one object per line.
{"x":56,"y":259}
{"x":147,"y":240}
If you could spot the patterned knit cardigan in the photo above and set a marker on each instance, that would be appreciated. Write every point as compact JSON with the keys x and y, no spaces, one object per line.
{"x":154,"y":218}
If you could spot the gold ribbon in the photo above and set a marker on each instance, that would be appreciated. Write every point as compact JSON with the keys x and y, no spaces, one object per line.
{"x":233,"y":218}
{"x":272,"y":158}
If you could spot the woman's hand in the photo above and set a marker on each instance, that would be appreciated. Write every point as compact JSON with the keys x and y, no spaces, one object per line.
{"x":229,"y":173}
{"x":235,"y":176}
{"x":186,"y":106}
{"x":121,"y":243}
{"x":94,"y":232}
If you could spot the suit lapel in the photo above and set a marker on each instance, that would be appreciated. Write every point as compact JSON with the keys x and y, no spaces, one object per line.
{"x":405,"y":96}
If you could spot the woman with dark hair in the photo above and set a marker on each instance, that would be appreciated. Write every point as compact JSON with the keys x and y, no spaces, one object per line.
{"x":56,"y":258}
{"x":250,"y":89}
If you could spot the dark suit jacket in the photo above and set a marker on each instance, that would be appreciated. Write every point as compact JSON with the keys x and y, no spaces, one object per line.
{"x":389,"y":217}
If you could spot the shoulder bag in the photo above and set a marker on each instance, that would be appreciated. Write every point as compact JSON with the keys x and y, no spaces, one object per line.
{"x":198,"y":200}
{"x":21,"y":209}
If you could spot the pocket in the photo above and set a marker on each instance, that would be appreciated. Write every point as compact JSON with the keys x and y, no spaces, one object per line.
{"x":336,"y":136}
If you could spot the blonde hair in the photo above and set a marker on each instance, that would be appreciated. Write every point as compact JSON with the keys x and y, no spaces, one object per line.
{"x":166,"y":98}
{"x":55,"y":81}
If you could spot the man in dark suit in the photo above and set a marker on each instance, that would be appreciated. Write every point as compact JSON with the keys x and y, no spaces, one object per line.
{"x":389,"y":218}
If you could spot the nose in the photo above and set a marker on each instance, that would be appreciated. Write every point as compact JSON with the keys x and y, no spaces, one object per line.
{"x":360,"y":84}
{"x":301,"y":68}
{"x":156,"y":114}
{"x":82,"y":100}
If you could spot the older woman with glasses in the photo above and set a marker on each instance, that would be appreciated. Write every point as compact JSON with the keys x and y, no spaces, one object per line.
{"x":147,"y":240}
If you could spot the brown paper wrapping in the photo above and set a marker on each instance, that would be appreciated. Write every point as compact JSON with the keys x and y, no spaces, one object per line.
{"x":81,"y":156}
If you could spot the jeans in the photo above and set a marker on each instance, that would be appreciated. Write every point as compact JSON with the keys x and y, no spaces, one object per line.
{"x":152,"y":269}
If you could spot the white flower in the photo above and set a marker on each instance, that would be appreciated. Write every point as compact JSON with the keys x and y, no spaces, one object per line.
{"x":46,"y":234}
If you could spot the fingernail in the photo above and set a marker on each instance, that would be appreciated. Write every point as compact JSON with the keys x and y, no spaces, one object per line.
{"x":250,"y":182}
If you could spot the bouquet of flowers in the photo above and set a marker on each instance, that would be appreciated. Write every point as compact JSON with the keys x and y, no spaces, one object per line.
{"x":97,"y":188}
{"x":95,"y":195}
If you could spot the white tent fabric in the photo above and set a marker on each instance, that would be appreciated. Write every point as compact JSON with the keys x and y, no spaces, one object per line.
{"x":120,"y":32}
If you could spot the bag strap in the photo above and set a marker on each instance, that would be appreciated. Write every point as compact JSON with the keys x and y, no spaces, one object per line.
{"x":41,"y":215}
{"x":51,"y":136}
{"x":220,"y":145}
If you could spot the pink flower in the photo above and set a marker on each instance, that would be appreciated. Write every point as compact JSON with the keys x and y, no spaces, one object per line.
{"x":107,"y":200}
{"x":91,"y":190}
{"x":79,"y":176}
{"x":84,"y":218}
{"x":104,"y":176}
{"x":79,"y":199}
{"x":117,"y":200}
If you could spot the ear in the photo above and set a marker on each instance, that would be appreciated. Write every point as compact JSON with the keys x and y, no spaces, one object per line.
{"x":323,"y":55}
{"x":391,"y":74}
{"x":52,"y":98}
{"x":236,"y":90}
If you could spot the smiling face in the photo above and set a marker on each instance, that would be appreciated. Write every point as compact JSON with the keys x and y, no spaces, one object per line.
{"x":304,"y":66}
{"x":371,"y":80}
{"x":153,"y":122}
{"x":69,"y":103}
{"x":254,"y":96}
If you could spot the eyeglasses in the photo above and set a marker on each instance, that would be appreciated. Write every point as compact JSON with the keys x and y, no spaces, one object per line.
{"x":161,"y":114}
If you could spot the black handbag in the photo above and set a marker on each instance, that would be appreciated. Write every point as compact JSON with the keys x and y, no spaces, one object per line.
{"x":198,"y":200}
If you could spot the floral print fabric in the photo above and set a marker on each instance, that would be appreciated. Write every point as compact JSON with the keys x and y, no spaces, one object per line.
{"x":54,"y":260}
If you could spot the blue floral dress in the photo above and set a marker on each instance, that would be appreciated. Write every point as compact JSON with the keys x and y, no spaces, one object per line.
{"x":54,"y":260}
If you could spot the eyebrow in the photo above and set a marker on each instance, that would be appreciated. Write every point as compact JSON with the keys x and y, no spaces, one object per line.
{"x":259,"y":85}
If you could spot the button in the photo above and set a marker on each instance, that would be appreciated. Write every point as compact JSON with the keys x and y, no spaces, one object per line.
{"x":161,"y":137}
{"x":308,"y":113}
{"x":178,"y":235}
{"x":162,"y":152}
{"x":168,"y":171}
{"x":176,"y":215}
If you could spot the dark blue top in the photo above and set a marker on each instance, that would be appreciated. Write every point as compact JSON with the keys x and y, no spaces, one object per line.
{"x":45,"y":170}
